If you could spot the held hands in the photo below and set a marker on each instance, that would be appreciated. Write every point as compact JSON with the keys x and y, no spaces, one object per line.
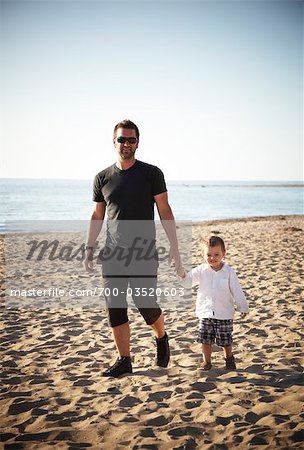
{"x":175,"y":261}
{"x":182,"y":274}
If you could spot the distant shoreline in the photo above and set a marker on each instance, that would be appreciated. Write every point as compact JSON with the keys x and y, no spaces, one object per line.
{"x":244,"y":185}
{"x":249,"y":219}
{"x":272,"y":185}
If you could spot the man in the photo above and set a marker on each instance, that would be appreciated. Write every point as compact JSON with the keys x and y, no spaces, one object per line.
{"x":128,"y":191}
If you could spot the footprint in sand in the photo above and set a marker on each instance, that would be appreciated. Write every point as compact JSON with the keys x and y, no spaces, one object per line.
{"x":159,"y":396}
{"x":185,"y":431}
{"x":19,"y":406}
{"x":129,"y":401}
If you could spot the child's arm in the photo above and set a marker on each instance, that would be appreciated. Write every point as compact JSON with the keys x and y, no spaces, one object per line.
{"x":238,"y":294}
{"x":191,"y":278}
{"x":186,"y":279}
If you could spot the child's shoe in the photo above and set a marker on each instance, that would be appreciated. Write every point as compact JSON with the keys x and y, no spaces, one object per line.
{"x":206,"y":365}
{"x":230,"y":363}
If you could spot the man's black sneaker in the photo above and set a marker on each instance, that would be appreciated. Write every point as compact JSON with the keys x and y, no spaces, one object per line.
{"x":163,"y":351}
{"x":230,"y":363}
{"x":122,"y":365}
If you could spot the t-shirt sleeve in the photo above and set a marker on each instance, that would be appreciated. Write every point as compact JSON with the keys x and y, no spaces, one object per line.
{"x":97,"y":192}
{"x":158,"y":182}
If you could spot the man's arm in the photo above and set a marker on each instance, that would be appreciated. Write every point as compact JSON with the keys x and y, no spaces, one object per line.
{"x":95,"y":226}
{"x":168,"y":222}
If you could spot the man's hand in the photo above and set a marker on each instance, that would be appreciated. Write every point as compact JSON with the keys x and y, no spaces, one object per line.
{"x":175,"y":261}
{"x":168,"y":222}
{"x":243,"y":315}
{"x":88,"y":261}
{"x":182,"y":274}
{"x":96,"y":223}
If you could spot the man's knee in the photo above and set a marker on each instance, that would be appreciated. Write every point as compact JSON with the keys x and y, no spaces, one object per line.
{"x":117,"y":316}
{"x":150,"y":315}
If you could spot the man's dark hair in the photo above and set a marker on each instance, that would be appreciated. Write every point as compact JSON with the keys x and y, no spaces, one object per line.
{"x":213,"y":241}
{"x":126,"y":124}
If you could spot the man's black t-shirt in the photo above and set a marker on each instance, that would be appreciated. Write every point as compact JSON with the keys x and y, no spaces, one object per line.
{"x":129,"y":194}
{"x":129,"y":197}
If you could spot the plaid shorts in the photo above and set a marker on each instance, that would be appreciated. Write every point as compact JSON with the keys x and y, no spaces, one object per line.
{"x":215,"y":330}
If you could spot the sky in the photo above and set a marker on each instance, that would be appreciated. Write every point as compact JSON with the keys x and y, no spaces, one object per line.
{"x":215,"y":87}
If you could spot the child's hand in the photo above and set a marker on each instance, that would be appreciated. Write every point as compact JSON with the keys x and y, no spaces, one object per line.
{"x":243,"y":315}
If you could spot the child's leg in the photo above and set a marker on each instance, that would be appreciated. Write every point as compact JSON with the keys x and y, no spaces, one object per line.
{"x":228,"y":351}
{"x":206,"y":337}
{"x":207,"y":350}
{"x":229,"y":358}
{"x":224,"y":330}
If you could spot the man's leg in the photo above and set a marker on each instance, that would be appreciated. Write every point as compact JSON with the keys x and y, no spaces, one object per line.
{"x":162,"y":342}
{"x":149,"y":308}
{"x":121,"y":336}
{"x":154,"y":317}
{"x":161,"y":337}
{"x":159,"y":327}
{"x":118,"y":321}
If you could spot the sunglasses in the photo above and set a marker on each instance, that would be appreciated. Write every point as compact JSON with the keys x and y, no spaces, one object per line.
{"x":123,"y":140}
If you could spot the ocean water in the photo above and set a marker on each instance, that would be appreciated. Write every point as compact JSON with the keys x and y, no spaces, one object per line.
{"x":45,"y":199}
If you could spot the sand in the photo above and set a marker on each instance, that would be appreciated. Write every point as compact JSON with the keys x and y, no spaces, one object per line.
{"x":53,"y":395}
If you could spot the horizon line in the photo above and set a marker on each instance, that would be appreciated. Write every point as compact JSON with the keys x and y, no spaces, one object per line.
{"x":167,"y":180}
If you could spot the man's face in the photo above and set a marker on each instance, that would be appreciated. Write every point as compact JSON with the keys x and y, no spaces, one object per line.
{"x":126,"y":149}
{"x":214,"y":256}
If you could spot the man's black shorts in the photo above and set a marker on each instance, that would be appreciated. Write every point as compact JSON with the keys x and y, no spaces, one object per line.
{"x":136,"y":280}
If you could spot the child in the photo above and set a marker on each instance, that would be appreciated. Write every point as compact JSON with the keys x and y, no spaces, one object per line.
{"x":219,"y":294}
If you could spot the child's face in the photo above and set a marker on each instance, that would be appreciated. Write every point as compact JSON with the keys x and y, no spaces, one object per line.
{"x":214,"y":256}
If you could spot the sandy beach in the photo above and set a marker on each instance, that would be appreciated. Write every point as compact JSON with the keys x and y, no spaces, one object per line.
{"x":53,"y":394}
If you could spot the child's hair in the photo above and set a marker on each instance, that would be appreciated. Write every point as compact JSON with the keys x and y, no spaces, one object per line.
{"x":212,"y":241}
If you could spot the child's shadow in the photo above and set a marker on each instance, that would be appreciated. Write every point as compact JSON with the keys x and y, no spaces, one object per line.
{"x":273,"y":378}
